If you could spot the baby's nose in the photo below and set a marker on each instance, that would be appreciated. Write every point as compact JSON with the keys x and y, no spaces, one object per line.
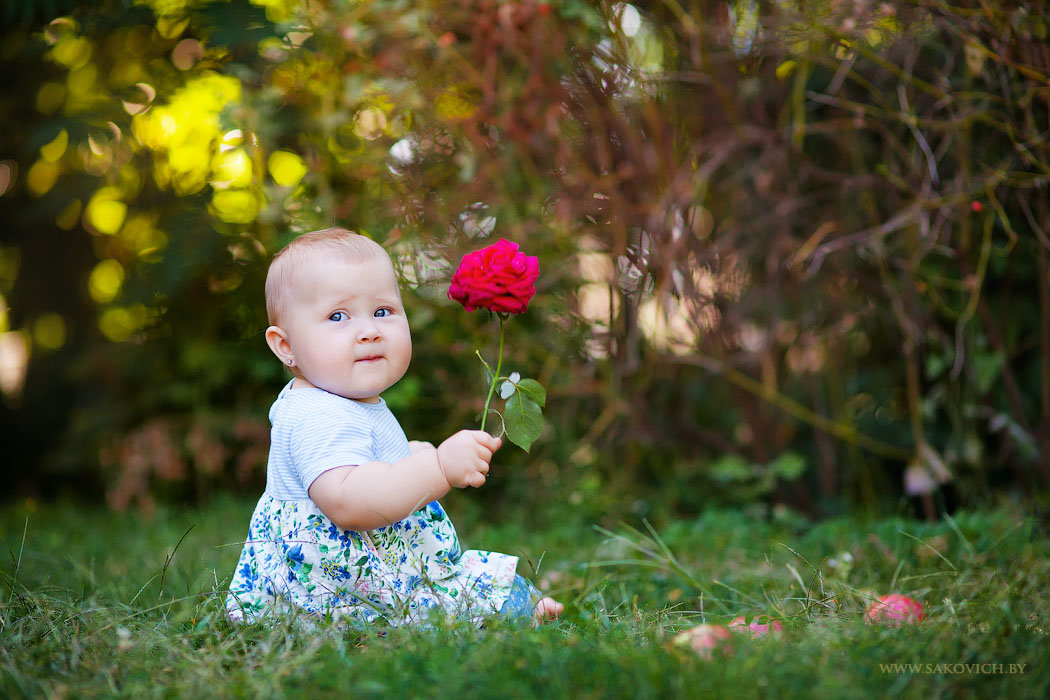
{"x":368,"y":331}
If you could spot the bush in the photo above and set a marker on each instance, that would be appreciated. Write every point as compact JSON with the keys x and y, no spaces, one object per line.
{"x":767,"y":232}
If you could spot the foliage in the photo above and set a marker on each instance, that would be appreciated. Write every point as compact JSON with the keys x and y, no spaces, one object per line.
{"x":92,"y":604}
{"x":808,"y":229}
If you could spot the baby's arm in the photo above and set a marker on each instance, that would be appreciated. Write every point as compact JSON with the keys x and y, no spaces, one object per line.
{"x":380,"y":493}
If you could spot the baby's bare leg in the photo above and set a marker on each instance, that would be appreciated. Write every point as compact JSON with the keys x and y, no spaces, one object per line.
{"x":547,"y":610}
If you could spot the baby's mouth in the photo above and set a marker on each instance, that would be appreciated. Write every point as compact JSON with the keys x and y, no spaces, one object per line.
{"x":370,"y":358}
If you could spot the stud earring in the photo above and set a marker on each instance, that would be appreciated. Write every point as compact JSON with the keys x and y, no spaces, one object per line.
{"x":289,"y":362}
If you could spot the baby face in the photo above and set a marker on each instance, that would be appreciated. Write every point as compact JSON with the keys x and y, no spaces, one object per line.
{"x":347,"y":328}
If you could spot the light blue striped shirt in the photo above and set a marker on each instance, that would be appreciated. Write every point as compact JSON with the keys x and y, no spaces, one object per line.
{"x":314,"y":431}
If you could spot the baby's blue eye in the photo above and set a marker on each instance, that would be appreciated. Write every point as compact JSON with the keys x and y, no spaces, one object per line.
{"x":338,"y":316}
{"x":380,"y":313}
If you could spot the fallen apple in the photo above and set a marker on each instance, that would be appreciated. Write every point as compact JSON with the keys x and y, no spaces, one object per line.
{"x":705,"y":640}
{"x":896,"y":609}
{"x":756,"y":628}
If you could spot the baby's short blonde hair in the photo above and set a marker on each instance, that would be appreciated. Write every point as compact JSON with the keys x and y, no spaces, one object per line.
{"x":296,"y":256}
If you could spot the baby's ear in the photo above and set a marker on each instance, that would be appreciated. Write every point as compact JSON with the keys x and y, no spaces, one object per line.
{"x":277,"y":339}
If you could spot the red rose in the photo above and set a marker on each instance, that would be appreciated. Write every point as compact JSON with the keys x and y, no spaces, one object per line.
{"x":499,"y":278}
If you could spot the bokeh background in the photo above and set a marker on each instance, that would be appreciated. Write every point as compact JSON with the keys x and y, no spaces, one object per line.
{"x":794,"y":254}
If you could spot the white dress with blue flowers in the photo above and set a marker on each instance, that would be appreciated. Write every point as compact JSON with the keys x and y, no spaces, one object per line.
{"x":296,"y":559}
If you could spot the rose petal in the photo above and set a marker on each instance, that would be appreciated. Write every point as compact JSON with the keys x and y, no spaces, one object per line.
{"x":499,"y":278}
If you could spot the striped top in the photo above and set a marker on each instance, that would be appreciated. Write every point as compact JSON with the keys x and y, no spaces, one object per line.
{"x":314,"y":431}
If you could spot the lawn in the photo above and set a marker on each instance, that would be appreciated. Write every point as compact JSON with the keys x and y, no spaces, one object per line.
{"x":94,"y":603}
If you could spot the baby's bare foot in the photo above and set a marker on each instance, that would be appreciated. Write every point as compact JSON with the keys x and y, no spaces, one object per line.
{"x":547,"y":610}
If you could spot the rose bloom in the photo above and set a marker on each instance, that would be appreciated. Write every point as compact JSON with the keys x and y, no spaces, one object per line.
{"x":499,"y":278}
{"x":756,"y":628}
{"x":896,"y":609}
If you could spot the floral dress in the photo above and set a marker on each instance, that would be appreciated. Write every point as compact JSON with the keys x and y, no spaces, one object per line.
{"x":296,"y":558}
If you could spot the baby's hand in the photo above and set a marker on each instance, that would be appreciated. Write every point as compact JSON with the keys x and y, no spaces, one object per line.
{"x":464,"y":457}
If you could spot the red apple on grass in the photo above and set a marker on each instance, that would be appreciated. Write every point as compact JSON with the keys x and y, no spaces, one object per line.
{"x":896,"y":609}
{"x":706,"y":640}
{"x":756,"y":628}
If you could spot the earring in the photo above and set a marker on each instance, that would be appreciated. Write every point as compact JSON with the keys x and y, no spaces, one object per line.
{"x":289,"y":362}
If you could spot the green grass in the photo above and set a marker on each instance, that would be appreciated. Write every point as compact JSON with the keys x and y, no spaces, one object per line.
{"x":94,"y":603}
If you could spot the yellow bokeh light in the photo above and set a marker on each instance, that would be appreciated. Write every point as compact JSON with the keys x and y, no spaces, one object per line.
{"x":785,"y":69}
{"x":49,"y":331}
{"x":118,"y":323}
{"x":130,"y":180}
{"x":278,"y":10}
{"x":189,"y":167}
{"x":187,"y":130}
{"x":105,"y":281}
{"x":126,"y":71}
{"x":172,"y":27}
{"x":454,"y":105}
{"x":105,"y":213}
{"x":56,"y":148}
{"x":272,"y":48}
{"x":168,"y":126}
{"x":235,"y":206}
{"x":41,"y":177}
{"x":82,"y":80}
{"x":50,"y":97}
{"x":161,"y":173}
{"x":155,"y":128}
{"x":844,"y":50}
{"x":232,"y":168}
{"x":141,"y":236}
{"x":286,"y":168}
{"x":72,"y":51}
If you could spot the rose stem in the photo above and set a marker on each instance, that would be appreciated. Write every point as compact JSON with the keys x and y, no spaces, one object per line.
{"x":495,"y":376}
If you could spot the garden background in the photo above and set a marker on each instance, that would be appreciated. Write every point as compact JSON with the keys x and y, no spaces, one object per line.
{"x":790,"y":253}
{"x":793,"y":254}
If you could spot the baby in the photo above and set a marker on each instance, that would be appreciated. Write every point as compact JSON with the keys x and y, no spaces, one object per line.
{"x":349,"y":525}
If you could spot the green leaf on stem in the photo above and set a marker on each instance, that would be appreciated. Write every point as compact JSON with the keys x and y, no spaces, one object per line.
{"x":522,"y":419}
{"x":534,"y":390}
